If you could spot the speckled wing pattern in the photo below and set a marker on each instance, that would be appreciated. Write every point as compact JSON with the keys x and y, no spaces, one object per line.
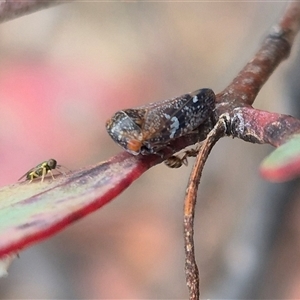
{"x":172,"y":118}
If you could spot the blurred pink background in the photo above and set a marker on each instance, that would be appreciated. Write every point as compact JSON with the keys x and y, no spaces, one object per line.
{"x":64,"y":72}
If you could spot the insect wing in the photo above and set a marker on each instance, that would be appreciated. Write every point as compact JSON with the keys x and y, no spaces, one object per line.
{"x":25,"y":174}
{"x":178,"y":116}
{"x":28,"y":172}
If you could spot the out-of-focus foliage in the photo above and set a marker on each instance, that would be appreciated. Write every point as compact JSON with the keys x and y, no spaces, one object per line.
{"x":284,"y":162}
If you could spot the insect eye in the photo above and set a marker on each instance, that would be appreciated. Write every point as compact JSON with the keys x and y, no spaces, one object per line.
{"x":134,"y":145}
{"x":52,"y":163}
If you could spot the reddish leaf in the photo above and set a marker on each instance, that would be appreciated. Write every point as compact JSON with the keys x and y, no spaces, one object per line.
{"x":30,"y":212}
{"x":284,"y":163}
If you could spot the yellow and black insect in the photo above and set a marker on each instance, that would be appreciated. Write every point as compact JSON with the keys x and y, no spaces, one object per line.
{"x":42,"y":169}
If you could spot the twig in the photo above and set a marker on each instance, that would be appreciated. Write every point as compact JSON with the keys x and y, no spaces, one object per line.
{"x":191,"y":269}
{"x":275,"y":48}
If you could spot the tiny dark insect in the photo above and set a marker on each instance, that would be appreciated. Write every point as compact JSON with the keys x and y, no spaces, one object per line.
{"x":148,"y":129}
{"x":176,"y":161}
{"x":42,"y":169}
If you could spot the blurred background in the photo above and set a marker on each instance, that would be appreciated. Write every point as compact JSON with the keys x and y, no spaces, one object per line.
{"x":66,"y":70}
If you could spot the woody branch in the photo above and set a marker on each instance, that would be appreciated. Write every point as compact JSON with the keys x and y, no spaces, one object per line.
{"x":243,"y":121}
{"x":248,"y":123}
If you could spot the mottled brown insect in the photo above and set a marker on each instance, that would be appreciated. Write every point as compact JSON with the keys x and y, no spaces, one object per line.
{"x":42,"y":169}
{"x":175,"y":161}
{"x":148,"y":129}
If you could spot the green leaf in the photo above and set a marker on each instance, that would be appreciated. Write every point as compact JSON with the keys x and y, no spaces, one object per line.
{"x":283,"y":163}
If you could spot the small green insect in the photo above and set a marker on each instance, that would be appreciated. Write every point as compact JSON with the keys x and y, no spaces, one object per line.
{"x":42,"y":169}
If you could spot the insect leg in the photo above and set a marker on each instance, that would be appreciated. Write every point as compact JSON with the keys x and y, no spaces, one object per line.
{"x":31,"y":177}
{"x":44,"y":174}
{"x":51,"y":174}
{"x":175,"y":161}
